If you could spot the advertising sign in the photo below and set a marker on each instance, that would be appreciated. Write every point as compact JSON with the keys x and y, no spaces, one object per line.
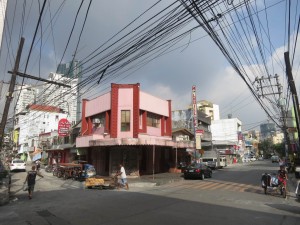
{"x":198,"y":141}
{"x":194,"y":106}
{"x":63,"y":127}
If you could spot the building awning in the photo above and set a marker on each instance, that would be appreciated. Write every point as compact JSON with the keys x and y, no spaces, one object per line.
{"x":61,"y":147}
{"x":141,"y":141}
{"x":37,"y":154}
{"x":37,"y":151}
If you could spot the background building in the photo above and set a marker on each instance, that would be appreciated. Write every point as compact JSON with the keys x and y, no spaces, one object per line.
{"x":31,"y":123}
{"x":210,"y":109}
{"x":267,"y":130}
{"x":73,"y":70}
{"x":59,"y":96}
{"x":227,"y":138}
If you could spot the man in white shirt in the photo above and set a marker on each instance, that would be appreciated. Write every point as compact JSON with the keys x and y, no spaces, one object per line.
{"x":122,"y":173}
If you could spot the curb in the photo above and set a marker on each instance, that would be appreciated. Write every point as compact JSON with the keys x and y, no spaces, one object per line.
{"x":142,"y":184}
{"x":4,"y":191}
{"x":292,"y":181}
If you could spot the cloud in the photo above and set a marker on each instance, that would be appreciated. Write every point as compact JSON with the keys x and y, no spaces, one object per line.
{"x":196,"y":61}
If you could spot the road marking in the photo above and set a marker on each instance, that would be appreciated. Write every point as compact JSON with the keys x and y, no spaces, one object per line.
{"x":218,"y":185}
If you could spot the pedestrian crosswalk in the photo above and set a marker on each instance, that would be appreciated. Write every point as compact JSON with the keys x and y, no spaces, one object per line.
{"x":216,"y":185}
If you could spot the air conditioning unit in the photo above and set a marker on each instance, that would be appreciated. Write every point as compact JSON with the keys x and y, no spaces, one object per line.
{"x":96,"y":121}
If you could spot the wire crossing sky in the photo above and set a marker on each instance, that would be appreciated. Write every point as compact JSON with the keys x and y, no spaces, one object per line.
{"x":221,"y":46}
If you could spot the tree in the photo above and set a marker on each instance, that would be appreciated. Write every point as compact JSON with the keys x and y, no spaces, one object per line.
{"x":279,"y":148}
{"x":266,"y":147}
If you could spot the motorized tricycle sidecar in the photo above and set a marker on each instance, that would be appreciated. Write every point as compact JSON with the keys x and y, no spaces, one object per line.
{"x":270,"y":182}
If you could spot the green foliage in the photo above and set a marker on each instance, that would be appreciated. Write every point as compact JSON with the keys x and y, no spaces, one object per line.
{"x":279,"y":148}
{"x":266,"y":147}
{"x":269,"y":148}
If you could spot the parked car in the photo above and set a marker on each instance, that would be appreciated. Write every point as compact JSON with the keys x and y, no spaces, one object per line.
{"x":275,"y":158}
{"x":197,"y":170}
{"x":252,"y":158}
{"x":17,"y":164}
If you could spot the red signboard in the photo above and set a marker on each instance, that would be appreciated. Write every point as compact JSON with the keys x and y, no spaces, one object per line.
{"x":63,"y":127}
{"x":200,"y":131}
{"x":194,"y":106}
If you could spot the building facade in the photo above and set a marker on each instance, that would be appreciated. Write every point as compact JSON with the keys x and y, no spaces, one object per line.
{"x":210,"y":109}
{"x":73,"y":70}
{"x":62,"y":97}
{"x":29,"y":124}
{"x":227,"y":138}
{"x":183,"y":119}
{"x":128,"y":126}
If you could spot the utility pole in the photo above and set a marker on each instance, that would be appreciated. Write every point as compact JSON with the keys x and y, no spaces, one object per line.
{"x":293,"y":91}
{"x":283,"y":114}
{"x":278,"y":103}
{"x":9,"y":95}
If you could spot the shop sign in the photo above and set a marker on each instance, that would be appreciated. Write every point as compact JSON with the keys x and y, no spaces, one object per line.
{"x":63,"y":127}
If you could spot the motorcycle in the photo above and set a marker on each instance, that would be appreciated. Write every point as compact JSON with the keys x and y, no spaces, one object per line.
{"x":49,"y":168}
{"x":270,"y":182}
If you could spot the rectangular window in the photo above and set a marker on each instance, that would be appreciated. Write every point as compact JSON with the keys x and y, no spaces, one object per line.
{"x":125,"y":120}
{"x":153,"y":120}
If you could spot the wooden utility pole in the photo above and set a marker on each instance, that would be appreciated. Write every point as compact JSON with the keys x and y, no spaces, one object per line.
{"x":293,"y":90}
{"x":9,"y":95}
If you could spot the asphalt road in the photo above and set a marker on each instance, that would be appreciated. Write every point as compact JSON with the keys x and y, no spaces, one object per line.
{"x":232,"y":196}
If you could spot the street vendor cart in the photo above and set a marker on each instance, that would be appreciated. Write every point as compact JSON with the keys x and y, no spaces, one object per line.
{"x":99,"y":182}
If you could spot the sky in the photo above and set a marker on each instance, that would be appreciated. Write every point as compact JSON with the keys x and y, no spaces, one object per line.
{"x":109,"y":33}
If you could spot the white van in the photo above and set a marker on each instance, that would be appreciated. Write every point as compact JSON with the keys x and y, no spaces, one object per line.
{"x":215,"y":163}
{"x":222,"y":161}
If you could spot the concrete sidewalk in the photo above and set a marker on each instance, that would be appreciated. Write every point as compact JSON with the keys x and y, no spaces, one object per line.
{"x":142,"y":181}
{"x":154,"y":179}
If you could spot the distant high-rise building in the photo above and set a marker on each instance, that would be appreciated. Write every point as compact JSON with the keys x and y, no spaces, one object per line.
{"x":73,"y":69}
{"x":59,"y":96}
{"x":26,"y":96}
{"x":267,"y":130}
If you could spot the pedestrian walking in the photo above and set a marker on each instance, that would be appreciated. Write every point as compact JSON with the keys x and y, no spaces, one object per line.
{"x":30,"y":179}
{"x":122,"y":173}
{"x":38,"y":165}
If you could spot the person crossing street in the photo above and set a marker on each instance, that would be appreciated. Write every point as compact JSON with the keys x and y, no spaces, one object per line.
{"x":122,"y":173}
{"x":30,"y":179}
